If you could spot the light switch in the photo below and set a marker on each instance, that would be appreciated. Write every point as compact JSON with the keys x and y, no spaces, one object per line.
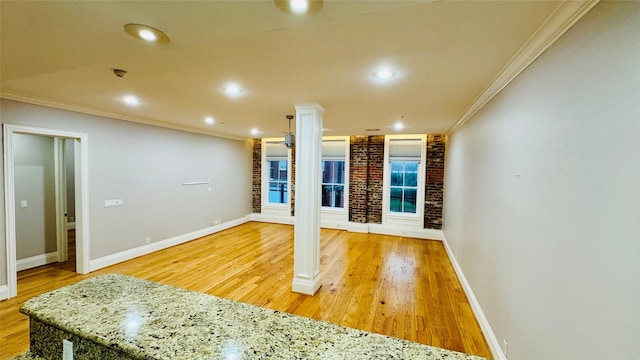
{"x":114,"y":202}
{"x":24,"y":204}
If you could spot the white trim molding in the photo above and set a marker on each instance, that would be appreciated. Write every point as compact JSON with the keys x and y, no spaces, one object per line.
{"x":562,"y":19}
{"x":36,"y":100}
{"x":122,"y":256}
{"x":82,"y":197}
{"x":268,"y":208}
{"x":61,"y":198}
{"x":494,"y":344}
{"x":333,"y":224}
{"x":35,"y":261}
{"x":404,"y":220}
{"x":4,"y":292}
{"x":275,"y":219}
{"x":427,"y":234}
{"x":330,"y":215}
{"x":357,"y":227}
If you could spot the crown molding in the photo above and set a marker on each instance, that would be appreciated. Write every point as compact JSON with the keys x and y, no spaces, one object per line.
{"x":35,"y":100}
{"x":561,"y":20}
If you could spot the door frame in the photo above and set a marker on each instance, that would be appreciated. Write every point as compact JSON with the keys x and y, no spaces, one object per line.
{"x":81,"y":164}
{"x":61,"y":198}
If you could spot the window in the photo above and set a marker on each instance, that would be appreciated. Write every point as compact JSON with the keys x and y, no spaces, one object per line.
{"x":276,"y":177}
{"x":404,"y":186}
{"x":278,"y":181}
{"x":333,"y":183}
{"x":334,"y":212}
{"x":404,"y":180}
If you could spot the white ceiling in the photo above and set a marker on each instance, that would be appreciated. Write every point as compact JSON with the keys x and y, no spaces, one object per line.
{"x":445,"y":54}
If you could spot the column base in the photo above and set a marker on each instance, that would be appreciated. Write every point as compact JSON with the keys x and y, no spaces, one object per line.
{"x":306,"y":286}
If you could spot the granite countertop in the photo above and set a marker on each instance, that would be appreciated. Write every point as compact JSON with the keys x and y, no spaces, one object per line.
{"x":152,"y":320}
{"x":27,"y":356}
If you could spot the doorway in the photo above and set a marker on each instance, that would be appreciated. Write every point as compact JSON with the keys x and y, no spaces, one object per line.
{"x":80,"y":179}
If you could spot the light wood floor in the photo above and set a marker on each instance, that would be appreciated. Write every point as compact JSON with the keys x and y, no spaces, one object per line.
{"x":401,"y":287}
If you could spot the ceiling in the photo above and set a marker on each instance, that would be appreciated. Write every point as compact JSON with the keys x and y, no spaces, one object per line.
{"x":444,"y":54}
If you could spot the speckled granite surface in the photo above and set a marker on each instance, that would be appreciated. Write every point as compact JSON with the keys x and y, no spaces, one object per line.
{"x":147,"y":320}
{"x":28,"y":356}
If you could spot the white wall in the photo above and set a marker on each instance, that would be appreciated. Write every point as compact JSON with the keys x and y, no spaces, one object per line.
{"x":35,"y":184}
{"x":542,"y":197}
{"x":144,"y":166}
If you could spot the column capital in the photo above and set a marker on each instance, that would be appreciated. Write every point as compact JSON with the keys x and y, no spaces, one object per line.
{"x":309,"y":106}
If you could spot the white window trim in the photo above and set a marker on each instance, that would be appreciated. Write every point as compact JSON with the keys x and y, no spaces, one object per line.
{"x":396,"y":219}
{"x":267,"y":207}
{"x":339,"y":214}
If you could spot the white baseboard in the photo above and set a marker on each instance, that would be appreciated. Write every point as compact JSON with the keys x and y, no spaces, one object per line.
{"x":334,"y":224}
{"x":71,"y":225}
{"x":430,"y":234}
{"x":358,"y":227}
{"x":276,"y":219}
{"x":35,"y":261}
{"x":494,"y":345}
{"x":113,"y":259}
{"x":4,"y":292}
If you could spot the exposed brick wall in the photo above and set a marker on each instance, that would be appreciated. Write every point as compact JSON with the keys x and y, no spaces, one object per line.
{"x":434,"y":185}
{"x":365,"y":179}
{"x":376,"y":171}
{"x":358,"y":169}
{"x":257,"y":176}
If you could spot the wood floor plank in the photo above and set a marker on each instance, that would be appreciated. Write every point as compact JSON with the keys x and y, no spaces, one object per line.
{"x":396,"y":286}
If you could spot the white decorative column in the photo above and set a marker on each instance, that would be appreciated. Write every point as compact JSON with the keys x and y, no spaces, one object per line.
{"x":306,"y":253}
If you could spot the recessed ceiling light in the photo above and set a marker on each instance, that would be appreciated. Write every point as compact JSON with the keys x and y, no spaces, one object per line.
{"x":384,"y":74}
{"x":131,"y":100}
{"x":233,"y":89}
{"x":398,"y":126}
{"x":209,"y":120}
{"x":254,"y":131}
{"x":146,"y":33}
{"x":299,"y":7}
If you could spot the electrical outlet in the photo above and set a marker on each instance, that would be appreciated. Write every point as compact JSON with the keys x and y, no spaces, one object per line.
{"x":72,"y":219}
{"x":504,"y":347}
{"x":24,"y":204}
{"x":67,"y":350}
{"x":147,"y":240}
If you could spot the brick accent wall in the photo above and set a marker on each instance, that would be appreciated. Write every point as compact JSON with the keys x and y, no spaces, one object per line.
{"x":257,"y":176}
{"x":376,"y":171}
{"x":366,"y":157}
{"x":434,"y":185}
{"x":358,"y":168}
{"x":365,"y":179}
